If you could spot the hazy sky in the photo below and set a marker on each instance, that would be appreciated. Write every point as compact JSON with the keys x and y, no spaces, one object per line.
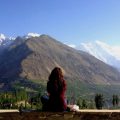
{"x":69,"y":21}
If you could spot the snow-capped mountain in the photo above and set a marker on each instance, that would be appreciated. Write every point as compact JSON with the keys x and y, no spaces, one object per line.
{"x":104,"y":52}
{"x":29,"y":35}
{"x":5,"y":41}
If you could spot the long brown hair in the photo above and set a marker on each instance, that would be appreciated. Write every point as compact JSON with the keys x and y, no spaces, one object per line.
{"x":56,"y":74}
{"x":56,"y":83}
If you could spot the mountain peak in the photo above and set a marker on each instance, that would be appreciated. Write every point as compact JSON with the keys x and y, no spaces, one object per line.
{"x":29,"y":35}
{"x":107,"y":53}
{"x":31,"y":61}
{"x":5,"y":40}
{"x":2,"y":36}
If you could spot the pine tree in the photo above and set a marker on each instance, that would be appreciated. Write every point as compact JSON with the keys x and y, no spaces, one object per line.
{"x":99,"y":101}
{"x":115,"y":100}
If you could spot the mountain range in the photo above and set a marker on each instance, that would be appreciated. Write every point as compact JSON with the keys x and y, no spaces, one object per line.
{"x":28,"y":61}
{"x":107,"y":53}
{"x":6,"y":41}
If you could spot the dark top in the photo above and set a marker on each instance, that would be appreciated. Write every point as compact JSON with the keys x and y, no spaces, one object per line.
{"x":56,"y":92}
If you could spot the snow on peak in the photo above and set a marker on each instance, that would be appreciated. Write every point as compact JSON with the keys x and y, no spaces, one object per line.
{"x":93,"y":49}
{"x":72,"y":45}
{"x":110,"y":49}
{"x":4,"y":41}
{"x":2,"y":37}
{"x":109,"y":54}
{"x":29,"y":35}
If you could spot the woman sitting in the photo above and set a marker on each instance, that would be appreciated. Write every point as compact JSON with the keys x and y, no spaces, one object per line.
{"x":56,"y":88}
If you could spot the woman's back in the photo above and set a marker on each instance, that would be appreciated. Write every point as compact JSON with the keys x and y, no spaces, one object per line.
{"x":56,"y":88}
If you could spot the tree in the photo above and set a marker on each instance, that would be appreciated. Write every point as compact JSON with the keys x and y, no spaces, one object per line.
{"x":84,"y":104}
{"x":99,"y":101}
{"x":91,"y":104}
{"x":115,"y":100}
{"x":79,"y":102}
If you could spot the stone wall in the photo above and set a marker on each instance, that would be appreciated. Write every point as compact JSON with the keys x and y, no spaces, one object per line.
{"x":60,"y":116}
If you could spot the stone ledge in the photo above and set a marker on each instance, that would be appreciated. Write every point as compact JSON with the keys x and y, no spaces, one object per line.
{"x":81,"y":115}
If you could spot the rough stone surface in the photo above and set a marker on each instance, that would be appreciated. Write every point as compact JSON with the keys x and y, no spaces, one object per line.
{"x":60,"y":116}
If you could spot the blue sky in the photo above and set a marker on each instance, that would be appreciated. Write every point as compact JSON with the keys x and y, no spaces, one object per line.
{"x":69,"y":21}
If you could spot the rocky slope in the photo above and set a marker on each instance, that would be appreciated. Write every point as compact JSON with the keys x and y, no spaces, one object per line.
{"x":31,"y":61}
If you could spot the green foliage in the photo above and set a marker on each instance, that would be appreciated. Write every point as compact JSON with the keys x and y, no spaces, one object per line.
{"x":6,"y":100}
{"x":79,"y":103}
{"x":84,"y":104}
{"x":99,"y":101}
{"x":115,"y":100}
{"x":21,"y":94}
{"x":35,"y":101}
{"x":14,"y":99}
{"x":91,"y":104}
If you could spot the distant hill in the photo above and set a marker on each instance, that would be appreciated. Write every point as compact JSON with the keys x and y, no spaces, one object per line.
{"x":28,"y":62}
